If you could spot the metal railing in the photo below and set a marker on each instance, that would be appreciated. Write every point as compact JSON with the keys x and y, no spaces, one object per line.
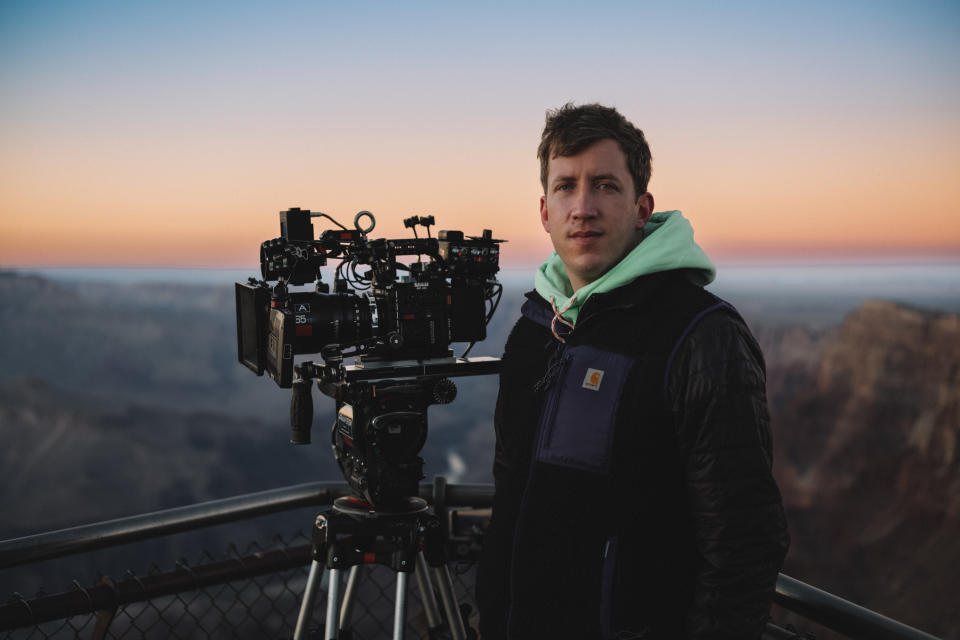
{"x":813,"y":604}
{"x":64,"y":542}
{"x":255,"y":593}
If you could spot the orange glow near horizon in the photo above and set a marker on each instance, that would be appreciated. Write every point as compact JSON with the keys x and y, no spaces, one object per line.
{"x":121,"y":148}
{"x":146,"y":208}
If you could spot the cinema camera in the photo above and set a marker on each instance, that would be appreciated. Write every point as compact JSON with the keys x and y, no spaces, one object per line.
{"x":396,"y":326}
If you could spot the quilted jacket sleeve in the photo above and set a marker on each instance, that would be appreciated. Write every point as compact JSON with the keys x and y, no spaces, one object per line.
{"x":717,"y":393}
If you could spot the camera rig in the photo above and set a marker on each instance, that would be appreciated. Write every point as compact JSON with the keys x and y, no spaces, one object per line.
{"x":396,"y":321}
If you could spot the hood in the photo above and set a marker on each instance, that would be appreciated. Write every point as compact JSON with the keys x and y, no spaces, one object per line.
{"x":667,"y":245}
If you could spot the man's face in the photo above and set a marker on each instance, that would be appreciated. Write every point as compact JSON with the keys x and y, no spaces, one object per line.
{"x":591,"y":212}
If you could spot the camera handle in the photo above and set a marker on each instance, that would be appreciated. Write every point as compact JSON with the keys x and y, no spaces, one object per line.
{"x":301,"y":401}
{"x":356,"y":222}
{"x":301,"y":411}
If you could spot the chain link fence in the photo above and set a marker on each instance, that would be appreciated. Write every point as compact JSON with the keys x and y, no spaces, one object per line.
{"x":257,"y":606}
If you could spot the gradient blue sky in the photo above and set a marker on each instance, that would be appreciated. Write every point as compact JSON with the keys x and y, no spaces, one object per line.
{"x":128,"y":128}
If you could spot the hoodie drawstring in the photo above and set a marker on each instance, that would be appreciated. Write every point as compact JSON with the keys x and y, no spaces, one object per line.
{"x":558,"y":315}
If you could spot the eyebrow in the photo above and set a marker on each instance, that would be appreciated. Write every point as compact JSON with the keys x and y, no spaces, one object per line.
{"x":595,"y":178}
{"x":605,"y":176}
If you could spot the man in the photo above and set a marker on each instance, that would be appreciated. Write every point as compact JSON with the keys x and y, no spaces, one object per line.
{"x":634,"y":497}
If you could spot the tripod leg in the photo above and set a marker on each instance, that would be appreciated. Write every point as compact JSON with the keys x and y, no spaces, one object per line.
{"x":400,"y":607}
{"x":422,"y":574}
{"x":346,"y":609}
{"x":309,"y":597}
{"x":333,"y":595}
{"x":449,"y":599}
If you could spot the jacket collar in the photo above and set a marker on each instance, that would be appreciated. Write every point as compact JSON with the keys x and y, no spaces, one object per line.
{"x":634,"y":294}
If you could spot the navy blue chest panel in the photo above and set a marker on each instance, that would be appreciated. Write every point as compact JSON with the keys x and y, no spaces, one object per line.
{"x":577,"y":424}
{"x":579,"y":413}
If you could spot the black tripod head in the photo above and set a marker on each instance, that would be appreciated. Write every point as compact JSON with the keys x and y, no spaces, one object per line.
{"x":381,"y":418}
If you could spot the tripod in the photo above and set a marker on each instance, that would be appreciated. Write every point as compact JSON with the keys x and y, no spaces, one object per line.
{"x":406,"y":538}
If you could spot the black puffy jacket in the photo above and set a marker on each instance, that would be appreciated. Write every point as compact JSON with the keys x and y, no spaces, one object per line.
{"x":634,"y":495}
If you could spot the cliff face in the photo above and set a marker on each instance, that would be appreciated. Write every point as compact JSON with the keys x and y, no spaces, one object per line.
{"x":866,"y":446}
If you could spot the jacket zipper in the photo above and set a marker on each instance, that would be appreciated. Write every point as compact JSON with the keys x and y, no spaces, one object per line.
{"x":550,"y":411}
{"x":607,"y":570}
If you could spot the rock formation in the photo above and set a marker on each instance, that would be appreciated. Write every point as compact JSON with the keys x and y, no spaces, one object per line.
{"x":866,"y":446}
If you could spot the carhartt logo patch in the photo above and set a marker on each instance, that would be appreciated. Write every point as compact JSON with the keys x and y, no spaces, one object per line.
{"x":592,"y":379}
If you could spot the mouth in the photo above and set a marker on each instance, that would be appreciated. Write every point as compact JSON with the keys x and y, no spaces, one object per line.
{"x":584,"y":233}
{"x":584,"y":239}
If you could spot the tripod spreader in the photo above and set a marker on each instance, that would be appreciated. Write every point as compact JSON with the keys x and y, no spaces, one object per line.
{"x":352,"y":534}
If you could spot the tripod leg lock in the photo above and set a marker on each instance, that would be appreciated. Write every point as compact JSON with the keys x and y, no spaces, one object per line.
{"x":320,"y":539}
{"x":434,"y":543}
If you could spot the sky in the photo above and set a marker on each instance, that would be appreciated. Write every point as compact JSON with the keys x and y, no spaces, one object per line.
{"x":171,"y":133}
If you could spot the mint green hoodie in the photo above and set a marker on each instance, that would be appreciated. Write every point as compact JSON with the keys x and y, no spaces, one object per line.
{"x":667,"y":245}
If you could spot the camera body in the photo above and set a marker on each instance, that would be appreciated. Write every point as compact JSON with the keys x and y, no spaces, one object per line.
{"x":397,"y":322}
{"x":402,"y":312}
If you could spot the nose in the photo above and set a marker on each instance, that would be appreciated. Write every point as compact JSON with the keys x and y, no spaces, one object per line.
{"x":583,"y":205}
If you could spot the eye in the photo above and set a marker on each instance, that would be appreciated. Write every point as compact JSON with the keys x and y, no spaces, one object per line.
{"x":564,"y":186}
{"x":607,"y":186}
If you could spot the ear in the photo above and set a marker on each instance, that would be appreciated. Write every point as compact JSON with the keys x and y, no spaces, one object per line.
{"x":644,"y":209}
{"x":544,"y":219}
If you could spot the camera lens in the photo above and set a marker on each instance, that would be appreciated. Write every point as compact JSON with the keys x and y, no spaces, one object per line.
{"x":321,"y":319}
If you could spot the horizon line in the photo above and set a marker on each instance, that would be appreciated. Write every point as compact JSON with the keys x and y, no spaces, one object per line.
{"x":728,"y":261}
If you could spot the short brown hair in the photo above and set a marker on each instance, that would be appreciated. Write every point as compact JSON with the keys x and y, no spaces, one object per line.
{"x":571,"y":129}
